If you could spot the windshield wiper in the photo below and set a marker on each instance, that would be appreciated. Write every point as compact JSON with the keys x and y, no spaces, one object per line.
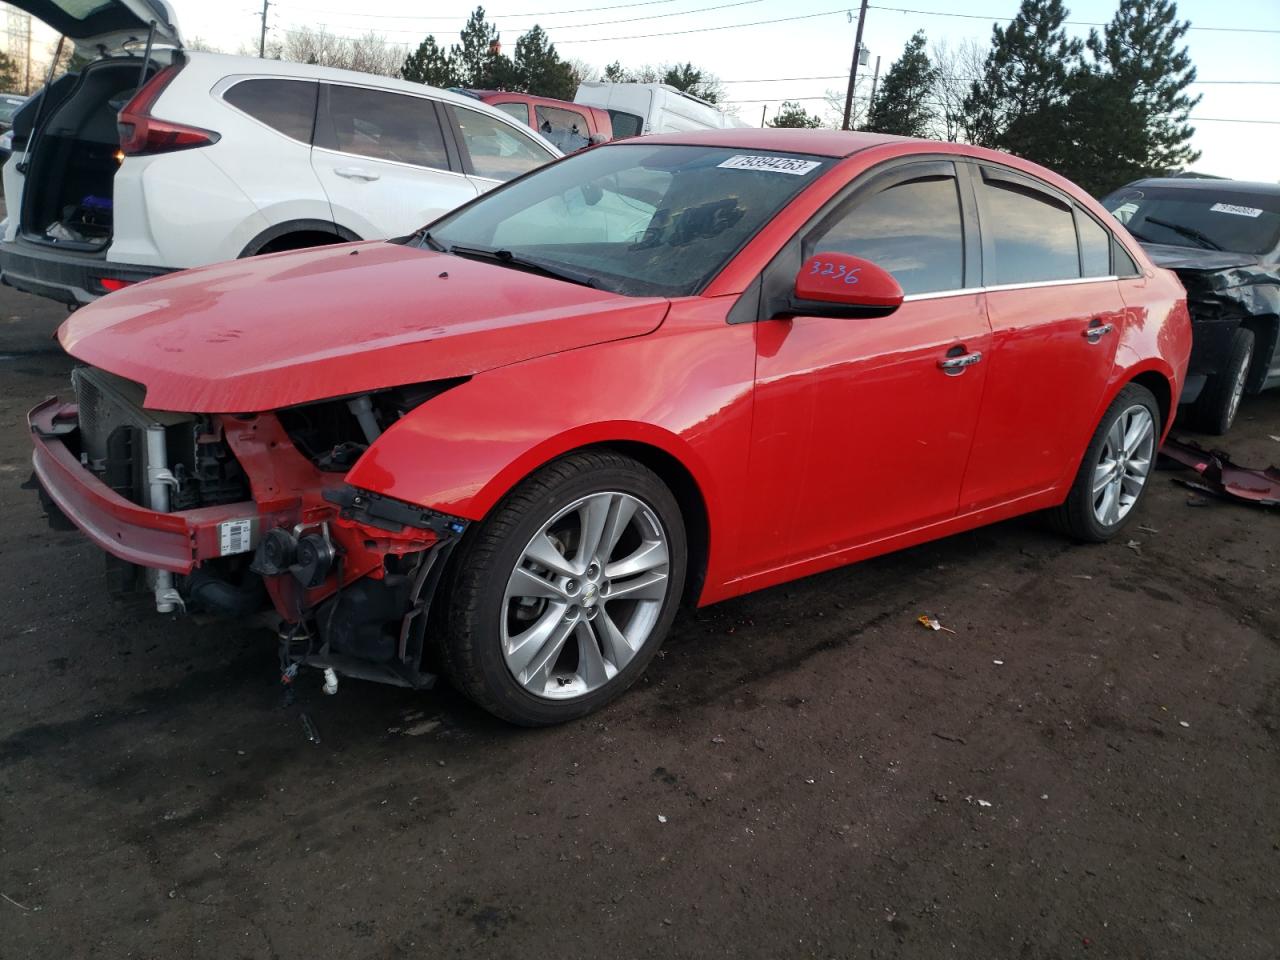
{"x":1191,"y":233}
{"x":507,"y":258}
{"x":424,"y":236}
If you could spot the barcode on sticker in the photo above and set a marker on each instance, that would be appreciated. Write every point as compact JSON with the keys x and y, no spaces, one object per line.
{"x":234,"y":535}
{"x":797,"y":168}
{"x":1237,"y":210}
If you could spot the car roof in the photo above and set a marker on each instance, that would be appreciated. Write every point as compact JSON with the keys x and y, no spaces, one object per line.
{"x":821,"y":143}
{"x":1207,"y":185}
{"x":231,"y":64}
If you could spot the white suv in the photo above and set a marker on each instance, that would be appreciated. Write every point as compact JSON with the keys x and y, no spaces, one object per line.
{"x":122,"y":171}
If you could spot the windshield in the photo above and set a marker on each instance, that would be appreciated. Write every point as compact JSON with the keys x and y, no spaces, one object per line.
{"x":1205,"y":218}
{"x":638,"y":219}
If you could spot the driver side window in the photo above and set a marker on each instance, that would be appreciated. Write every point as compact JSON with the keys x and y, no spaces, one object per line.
{"x":912,"y":229}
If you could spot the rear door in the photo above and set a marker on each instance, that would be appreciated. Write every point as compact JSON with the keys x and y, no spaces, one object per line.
{"x":568,"y":129}
{"x":1056,"y":318}
{"x":861,"y":428}
{"x":383,"y":160}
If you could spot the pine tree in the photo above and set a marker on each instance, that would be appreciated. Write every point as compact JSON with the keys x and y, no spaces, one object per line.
{"x":478,"y":62}
{"x":904,"y":102}
{"x":539,"y":69}
{"x":9,"y":76}
{"x":1129,"y":116}
{"x":430,"y":64}
{"x":694,"y":80}
{"x":615,"y":73}
{"x":791,"y":114}
{"x":1020,"y":103}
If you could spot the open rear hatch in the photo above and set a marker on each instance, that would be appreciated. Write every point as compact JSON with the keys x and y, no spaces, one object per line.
{"x":100,"y":28}
{"x":68,"y":131}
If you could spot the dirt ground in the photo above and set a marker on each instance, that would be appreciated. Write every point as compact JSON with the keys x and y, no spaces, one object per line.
{"x":1088,"y":766}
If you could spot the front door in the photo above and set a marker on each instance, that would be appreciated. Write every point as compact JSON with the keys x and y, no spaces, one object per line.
{"x":863,"y":427}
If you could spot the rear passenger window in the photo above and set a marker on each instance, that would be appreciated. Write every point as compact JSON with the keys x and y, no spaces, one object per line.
{"x":1095,"y":246}
{"x":567,"y":129}
{"x":1034,"y":238}
{"x":498,"y":151}
{"x":288,"y":106}
{"x":384,"y":126}
{"x":520,"y":111}
{"x":912,"y":229}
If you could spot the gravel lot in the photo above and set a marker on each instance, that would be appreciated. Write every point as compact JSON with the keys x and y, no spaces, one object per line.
{"x":1089,"y":765}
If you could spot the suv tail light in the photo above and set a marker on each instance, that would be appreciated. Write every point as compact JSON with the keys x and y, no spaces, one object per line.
{"x":141,"y":133}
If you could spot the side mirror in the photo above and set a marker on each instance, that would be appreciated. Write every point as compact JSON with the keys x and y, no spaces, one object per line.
{"x":838,"y":285}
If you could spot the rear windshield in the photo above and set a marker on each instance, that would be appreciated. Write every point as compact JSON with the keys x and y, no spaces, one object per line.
{"x":1206,"y":218}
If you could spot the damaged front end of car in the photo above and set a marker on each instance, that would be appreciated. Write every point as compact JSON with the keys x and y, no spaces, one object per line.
{"x":250,"y":516}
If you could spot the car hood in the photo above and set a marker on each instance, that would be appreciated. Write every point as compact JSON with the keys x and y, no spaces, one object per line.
{"x":269,"y":332}
{"x":1193,"y":258}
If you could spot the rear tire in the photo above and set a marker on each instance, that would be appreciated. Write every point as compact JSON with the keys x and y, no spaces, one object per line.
{"x":1215,"y":409}
{"x":1115,"y":471}
{"x":541,"y":626}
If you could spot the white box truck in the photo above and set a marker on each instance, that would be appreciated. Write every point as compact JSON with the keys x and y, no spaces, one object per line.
{"x":640,"y":108}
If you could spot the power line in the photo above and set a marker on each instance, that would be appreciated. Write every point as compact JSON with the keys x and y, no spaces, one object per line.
{"x":605,"y":23}
{"x":510,"y":16}
{"x":841,"y":76}
{"x":1074,"y":23}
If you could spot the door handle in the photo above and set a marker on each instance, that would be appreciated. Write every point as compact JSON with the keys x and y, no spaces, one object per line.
{"x":954,"y":366}
{"x":356,"y":173}
{"x":1097,"y":330}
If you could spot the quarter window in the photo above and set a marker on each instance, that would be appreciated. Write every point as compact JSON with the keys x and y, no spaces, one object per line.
{"x":1095,"y":247}
{"x":288,"y":106}
{"x":384,"y":126}
{"x":498,"y":151}
{"x":1033,"y":238}
{"x":912,"y":229}
{"x":567,"y":129}
{"x":520,"y":111}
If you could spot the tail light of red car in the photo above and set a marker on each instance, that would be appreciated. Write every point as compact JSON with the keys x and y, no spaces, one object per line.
{"x":141,"y":133}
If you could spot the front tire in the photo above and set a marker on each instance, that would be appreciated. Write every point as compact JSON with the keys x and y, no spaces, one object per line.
{"x":1116,"y":469}
{"x":1219,"y":401}
{"x":563,"y":594}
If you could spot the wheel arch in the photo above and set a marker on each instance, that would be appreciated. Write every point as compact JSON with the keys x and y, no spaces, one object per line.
{"x":1161,"y":388}
{"x":278,"y":231}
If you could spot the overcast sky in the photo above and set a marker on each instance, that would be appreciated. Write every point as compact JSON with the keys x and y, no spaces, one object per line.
{"x":1239,"y":66}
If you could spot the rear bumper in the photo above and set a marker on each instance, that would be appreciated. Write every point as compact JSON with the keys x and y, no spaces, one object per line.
{"x":73,"y":279}
{"x":177,"y":542}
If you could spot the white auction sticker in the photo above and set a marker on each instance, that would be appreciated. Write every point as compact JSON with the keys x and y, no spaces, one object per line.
{"x":797,"y":168}
{"x":235,"y":536}
{"x":1237,"y":210}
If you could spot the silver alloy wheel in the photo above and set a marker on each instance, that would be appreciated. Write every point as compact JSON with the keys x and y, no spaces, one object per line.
{"x":1237,"y":388}
{"x":595,"y":572}
{"x":1123,"y":465}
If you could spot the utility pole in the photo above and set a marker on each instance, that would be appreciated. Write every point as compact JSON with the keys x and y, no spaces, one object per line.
{"x":762,"y":111}
{"x":875,"y":79}
{"x":26,"y":87}
{"x":262,"y":40}
{"x":853,"y":69}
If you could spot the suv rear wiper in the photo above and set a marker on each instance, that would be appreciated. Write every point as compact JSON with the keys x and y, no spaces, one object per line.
{"x":507,"y":258}
{"x":1191,"y":233}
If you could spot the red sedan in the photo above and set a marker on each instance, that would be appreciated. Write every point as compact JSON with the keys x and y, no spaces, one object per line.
{"x":679,"y":367}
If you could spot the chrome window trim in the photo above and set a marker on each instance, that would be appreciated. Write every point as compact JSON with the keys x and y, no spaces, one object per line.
{"x":394,"y":163}
{"x":998,"y":288}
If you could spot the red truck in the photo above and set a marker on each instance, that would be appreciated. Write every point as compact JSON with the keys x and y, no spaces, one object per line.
{"x":570,"y":126}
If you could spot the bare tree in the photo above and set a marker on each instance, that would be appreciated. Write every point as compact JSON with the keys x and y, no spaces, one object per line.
{"x":957,"y":67}
{"x":583,"y":71}
{"x":368,"y":53}
{"x":201,"y":44}
{"x":861,"y":104}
